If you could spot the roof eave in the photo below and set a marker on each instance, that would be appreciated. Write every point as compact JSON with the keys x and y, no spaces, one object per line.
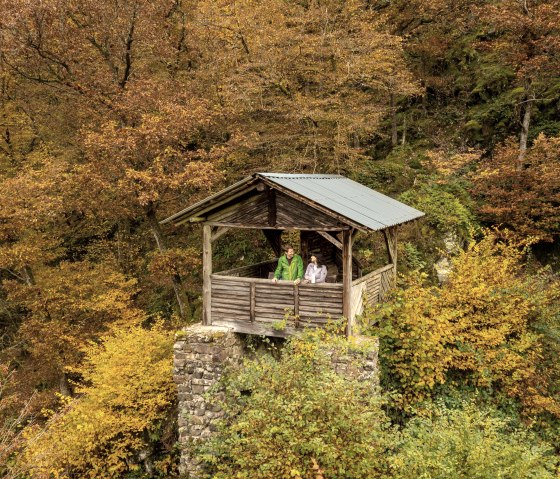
{"x":193,"y":210}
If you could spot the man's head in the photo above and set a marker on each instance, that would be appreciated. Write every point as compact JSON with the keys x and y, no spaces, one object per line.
{"x":289,"y":252}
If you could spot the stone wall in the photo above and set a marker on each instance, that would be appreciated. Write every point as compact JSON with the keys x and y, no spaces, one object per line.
{"x":357,"y":359}
{"x":201,"y":355}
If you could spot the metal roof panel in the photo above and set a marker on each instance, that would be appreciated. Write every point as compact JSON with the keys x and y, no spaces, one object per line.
{"x":348,"y":198}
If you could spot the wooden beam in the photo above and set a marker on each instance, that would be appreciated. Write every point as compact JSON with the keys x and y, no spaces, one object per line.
{"x":331,"y":239}
{"x":347,"y":280}
{"x":207,"y":274}
{"x":219,"y":231}
{"x":271,"y":207}
{"x":213,"y":206}
{"x":277,"y":227}
{"x":390,"y":235}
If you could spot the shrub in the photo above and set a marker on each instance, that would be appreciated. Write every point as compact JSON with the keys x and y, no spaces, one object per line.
{"x":296,"y":418}
{"x":444,"y":210}
{"x":478,"y":329}
{"x":470,"y":443}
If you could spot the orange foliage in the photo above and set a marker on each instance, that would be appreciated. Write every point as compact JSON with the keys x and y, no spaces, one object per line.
{"x":525,"y":199}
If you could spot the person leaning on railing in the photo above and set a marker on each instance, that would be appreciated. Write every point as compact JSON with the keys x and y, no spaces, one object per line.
{"x":290,"y":267}
{"x":316,"y":271}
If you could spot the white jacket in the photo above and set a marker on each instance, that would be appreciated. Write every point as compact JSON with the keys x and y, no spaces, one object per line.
{"x":317,"y":272}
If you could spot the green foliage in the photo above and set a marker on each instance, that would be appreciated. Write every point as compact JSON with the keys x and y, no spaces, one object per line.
{"x":115,"y":424}
{"x":470,"y":443}
{"x":297,"y":418}
{"x":413,"y":257}
{"x":445,"y":211}
{"x":393,"y":174}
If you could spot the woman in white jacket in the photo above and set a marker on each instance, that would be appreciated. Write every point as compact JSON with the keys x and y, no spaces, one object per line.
{"x":315,"y":272}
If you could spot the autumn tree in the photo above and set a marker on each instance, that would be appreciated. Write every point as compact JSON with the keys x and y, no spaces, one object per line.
{"x":525,"y":200}
{"x":66,"y":307}
{"x":126,"y":393}
{"x":309,"y":81}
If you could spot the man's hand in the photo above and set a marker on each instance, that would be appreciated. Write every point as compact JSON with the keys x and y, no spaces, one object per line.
{"x":297,"y":281}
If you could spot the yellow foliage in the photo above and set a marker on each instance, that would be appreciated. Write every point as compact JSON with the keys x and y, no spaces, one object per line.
{"x":477,"y":328}
{"x":124,"y":399}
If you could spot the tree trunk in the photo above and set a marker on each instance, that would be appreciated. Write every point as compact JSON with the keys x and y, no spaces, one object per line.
{"x":524,"y":132}
{"x":63,"y":385}
{"x":28,"y":275}
{"x":394,"y":137}
{"x":159,"y":236}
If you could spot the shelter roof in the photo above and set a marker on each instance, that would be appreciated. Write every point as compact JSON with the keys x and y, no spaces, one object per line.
{"x":360,"y":205}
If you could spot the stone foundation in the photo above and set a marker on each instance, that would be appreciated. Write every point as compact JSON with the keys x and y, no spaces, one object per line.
{"x":201,"y":355}
{"x":358,"y":359}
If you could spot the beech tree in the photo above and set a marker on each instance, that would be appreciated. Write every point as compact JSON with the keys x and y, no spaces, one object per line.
{"x":527,"y":37}
{"x":309,"y":81}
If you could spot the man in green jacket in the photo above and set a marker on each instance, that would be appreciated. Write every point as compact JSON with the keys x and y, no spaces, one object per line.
{"x":290,"y":267}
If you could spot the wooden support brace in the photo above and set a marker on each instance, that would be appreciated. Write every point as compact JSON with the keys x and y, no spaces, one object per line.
{"x":331,"y":238}
{"x":218,"y":232}
{"x":391,"y":243}
{"x":274,"y":237}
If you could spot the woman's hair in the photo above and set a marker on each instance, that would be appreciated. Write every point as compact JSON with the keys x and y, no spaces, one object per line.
{"x":287,"y":247}
{"x":320,"y":260}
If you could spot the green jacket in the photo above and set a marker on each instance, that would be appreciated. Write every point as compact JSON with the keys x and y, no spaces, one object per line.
{"x":289,"y":271}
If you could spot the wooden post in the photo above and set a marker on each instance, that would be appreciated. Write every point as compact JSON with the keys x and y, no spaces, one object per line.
{"x":271,"y":207}
{"x":252,"y":302}
{"x":296,"y":304}
{"x":347,"y":279}
{"x":391,"y":243}
{"x":206,"y":275}
{"x":304,"y":245}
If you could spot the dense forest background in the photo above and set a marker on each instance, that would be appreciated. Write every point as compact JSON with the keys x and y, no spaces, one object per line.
{"x":116,"y":114}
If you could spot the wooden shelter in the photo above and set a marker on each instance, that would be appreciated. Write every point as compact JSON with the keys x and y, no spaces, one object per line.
{"x":328,"y":211}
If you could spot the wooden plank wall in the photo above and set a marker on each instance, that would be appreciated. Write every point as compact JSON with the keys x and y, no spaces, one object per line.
{"x":231,"y":299}
{"x":371,"y":288}
{"x":319,"y":305}
{"x":253,"y":212}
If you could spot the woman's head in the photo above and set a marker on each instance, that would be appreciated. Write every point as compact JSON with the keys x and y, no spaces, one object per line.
{"x":317,"y":259}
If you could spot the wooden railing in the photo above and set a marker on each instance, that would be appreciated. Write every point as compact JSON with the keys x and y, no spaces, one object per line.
{"x":371,"y":288}
{"x":259,"y":306}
